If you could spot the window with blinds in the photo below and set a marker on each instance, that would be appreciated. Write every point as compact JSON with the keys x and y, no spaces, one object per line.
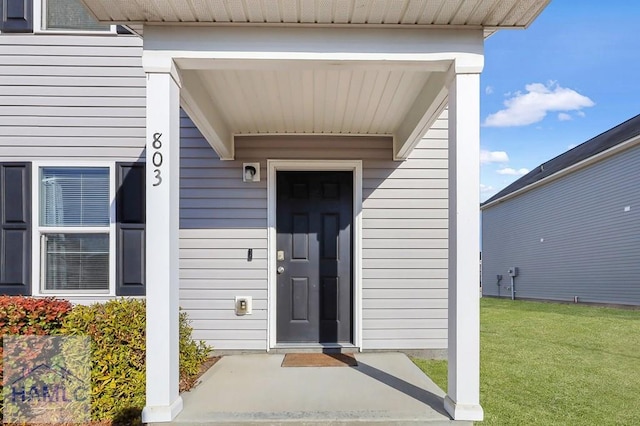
{"x":74,"y":228}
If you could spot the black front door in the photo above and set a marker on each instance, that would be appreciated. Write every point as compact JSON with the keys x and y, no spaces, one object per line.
{"x":314,"y":234}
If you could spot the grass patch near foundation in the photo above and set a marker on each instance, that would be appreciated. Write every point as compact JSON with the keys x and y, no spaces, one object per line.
{"x":555,"y":364}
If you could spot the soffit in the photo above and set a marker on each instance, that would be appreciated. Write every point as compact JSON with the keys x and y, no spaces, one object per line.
{"x":312,"y":101}
{"x":490,"y":14}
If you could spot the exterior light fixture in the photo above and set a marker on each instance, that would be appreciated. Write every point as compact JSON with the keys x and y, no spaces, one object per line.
{"x":251,"y":172}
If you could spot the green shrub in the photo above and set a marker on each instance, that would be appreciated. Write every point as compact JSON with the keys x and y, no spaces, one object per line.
{"x":192,"y":354}
{"x":117,"y":331}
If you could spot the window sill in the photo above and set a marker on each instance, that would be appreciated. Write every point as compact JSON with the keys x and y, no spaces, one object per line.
{"x":76,"y":32}
{"x":79,"y":294}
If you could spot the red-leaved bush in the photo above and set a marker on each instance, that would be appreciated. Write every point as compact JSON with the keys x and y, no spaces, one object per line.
{"x":25,"y":316}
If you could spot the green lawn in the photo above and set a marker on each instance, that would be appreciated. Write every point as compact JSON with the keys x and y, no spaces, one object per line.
{"x":555,"y":364}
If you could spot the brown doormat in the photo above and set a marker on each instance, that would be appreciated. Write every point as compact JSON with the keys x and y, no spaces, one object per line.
{"x":319,"y":360}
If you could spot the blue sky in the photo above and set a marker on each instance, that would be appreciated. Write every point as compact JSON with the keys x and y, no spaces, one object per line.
{"x":573,"y":74}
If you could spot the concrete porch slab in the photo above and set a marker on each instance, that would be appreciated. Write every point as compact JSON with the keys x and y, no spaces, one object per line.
{"x":385,"y":388}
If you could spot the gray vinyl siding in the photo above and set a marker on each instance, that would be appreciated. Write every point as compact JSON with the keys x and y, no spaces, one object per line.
{"x":71,"y":97}
{"x":570,"y":237}
{"x":405,"y":247}
{"x":404,"y":237}
{"x":77,"y":97}
{"x":220,"y":218}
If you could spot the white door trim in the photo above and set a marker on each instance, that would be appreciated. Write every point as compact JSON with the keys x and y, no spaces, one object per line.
{"x":315,"y":165}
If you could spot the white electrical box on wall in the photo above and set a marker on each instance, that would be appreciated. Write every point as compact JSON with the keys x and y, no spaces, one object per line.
{"x":512,"y":271}
{"x":243,"y":305}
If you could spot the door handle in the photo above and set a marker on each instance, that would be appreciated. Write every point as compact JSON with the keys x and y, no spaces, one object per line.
{"x":280,"y":269}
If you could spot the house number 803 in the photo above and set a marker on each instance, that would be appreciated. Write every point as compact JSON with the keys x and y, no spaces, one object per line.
{"x":156,"y":158}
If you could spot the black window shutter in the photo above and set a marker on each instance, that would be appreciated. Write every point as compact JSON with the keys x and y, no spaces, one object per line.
{"x":130,"y":229}
{"x":15,"y":229}
{"x":17,"y":16}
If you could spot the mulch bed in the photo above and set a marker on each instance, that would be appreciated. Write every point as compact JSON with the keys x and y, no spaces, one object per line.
{"x":319,"y":360}
{"x":186,"y":385}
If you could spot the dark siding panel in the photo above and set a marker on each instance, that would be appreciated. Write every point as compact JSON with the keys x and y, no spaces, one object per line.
{"x":130,"y":218}
{"x":17,"y":16}
{"x":15,"y":228}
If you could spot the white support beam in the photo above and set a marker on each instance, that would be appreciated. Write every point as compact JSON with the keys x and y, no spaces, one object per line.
{"x":197,"y":103}
{"x":426,"y":109}
{"x":224,"y":46}
{"x":463,"y":395}
{"x":163,"y":401}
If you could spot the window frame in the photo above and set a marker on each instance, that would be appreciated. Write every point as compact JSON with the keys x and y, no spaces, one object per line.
{"x":39,"y":23}
{"x":37,"y":265}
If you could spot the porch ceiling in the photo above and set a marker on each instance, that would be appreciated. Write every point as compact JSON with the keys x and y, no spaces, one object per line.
{"x":312,"y":98}
{"x":315,"y":100}
{"x":490,"y":14}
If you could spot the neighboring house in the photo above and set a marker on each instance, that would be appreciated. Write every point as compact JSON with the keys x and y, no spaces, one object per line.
{"x":571,"y":226}
{"x":311,"y":171}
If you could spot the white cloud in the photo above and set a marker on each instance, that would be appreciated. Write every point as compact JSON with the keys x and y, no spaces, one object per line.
{"x":563,"y":116}
{"x":485,"y":188}
{"x":512,"y":172}
{"x":487,"y":157}
{"x":580,"y":114}
{"x":488,"y":90}
{"x":573,"y":145}
{"x":531,"y":107}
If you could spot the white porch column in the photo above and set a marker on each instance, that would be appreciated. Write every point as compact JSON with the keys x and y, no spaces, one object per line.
{"x":463,"y":395}
{"x":162,"y":188}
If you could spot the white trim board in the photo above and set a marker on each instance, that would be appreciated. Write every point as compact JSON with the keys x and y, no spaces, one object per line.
{"x":315,"y":165}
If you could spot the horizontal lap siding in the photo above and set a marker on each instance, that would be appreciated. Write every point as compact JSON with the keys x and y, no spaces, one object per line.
{"x":404,"y":237}
{"x":220,"y":218}
{"x":570,"y":237}
{"x":71,"y":97}
{"x":405,"y":247}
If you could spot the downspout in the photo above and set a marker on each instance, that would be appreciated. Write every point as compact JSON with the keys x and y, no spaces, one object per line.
{"x":498,"y":278}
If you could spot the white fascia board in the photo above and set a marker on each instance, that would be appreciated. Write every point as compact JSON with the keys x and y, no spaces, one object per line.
{"x":196,"y":101}
{"x":557,"y":175}
{"x":313,"y":44}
